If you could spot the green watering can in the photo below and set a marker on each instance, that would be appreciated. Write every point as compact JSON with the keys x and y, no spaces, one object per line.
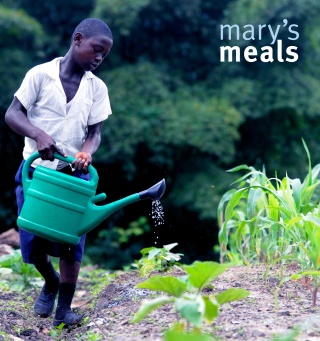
{"x":62,"y":208}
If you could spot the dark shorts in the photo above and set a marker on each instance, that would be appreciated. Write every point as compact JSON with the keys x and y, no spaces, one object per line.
{"x":32,"y":246}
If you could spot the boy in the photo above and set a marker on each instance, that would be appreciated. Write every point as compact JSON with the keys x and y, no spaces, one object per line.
{"x":59,"y":108}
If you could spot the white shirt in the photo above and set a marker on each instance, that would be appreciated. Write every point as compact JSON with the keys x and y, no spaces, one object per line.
{"x":42,"y":94}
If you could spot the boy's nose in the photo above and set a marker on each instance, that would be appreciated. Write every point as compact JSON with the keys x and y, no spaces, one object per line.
{"x":98,"y":58}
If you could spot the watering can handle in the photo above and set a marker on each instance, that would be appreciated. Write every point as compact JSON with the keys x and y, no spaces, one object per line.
{"x":25,"y":170}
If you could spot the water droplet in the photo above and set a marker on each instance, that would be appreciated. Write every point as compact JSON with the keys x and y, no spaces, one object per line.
{"x":157,"y":213}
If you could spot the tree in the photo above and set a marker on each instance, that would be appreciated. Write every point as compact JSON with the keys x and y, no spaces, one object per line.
{"x":22,"y":39}
{"x":178,"y":34}
{"x":58,"y":18}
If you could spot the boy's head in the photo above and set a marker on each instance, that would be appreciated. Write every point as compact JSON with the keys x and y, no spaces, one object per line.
{"x":92,"y":27}
{"x":90,"y":44}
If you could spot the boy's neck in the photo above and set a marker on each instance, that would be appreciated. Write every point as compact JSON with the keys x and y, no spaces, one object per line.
{"x":69,"y":69}
{"x":70,"y":77}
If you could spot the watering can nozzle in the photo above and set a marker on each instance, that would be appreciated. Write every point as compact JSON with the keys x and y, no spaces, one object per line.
{"x":155,"y":192}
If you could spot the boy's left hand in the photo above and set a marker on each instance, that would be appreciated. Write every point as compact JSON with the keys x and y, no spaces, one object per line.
{"x":82,"y":162}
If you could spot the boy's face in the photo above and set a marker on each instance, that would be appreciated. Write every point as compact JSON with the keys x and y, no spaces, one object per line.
{"x":89,"y":53}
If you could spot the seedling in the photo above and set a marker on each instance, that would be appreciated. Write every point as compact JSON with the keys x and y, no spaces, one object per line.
{"x":186,"y":297}
{"x":160,"y":259}
{"x":17,"y":275}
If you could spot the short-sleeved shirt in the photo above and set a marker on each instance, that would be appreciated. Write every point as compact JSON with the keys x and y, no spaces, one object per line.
{"x":42,"y":95}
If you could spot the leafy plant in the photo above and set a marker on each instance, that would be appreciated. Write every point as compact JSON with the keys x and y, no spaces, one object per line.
{"x":186,"y":296}
{"x":154,"y":258}
{"x":17,"y":275}
{"x":273,"y":220}
{"x":91,"y":336}
{"x":105,"y":280}
{"x":174,"y":335}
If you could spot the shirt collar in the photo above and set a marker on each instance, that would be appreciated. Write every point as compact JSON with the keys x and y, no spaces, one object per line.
{"x":53,"y":69}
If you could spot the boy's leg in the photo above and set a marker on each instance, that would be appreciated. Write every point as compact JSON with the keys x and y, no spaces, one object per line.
{"x":45,"y":302}
{"x":69,"y":275}
{"x":28,"y":244}
{"x":69,"y":270}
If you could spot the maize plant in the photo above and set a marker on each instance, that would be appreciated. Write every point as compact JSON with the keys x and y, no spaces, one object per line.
{"x":273,"y":220}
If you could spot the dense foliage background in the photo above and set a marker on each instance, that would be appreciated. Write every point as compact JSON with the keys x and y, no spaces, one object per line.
{"x":178,"y":112}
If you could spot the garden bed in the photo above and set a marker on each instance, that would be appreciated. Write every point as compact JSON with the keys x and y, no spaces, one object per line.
{"x":108,"y":312}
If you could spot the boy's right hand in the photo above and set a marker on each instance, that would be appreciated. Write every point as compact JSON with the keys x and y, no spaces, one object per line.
{"x":16,"y":118}
{"x":47,"y":147}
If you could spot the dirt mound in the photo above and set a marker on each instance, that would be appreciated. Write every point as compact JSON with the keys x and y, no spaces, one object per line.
{"x":109,"y":312}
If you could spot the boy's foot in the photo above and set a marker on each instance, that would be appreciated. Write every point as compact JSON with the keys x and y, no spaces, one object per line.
{"x":45,"y":302}
{"x":70,"y":319}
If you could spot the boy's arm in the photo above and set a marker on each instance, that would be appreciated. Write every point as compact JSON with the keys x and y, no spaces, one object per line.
{"x":16,"y":118}
{"x":90,"y":145}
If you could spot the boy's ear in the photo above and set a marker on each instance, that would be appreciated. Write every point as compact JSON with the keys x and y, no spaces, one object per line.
{"x":78,"y":37}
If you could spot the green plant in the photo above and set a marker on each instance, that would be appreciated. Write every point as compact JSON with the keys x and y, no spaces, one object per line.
{"x":16,"y":274}
{"x":290,"y":336}
{"x":154,"y":258}
{"x":265,"y":217}
{"x":57,"y":331}
{"x":275,"y":221}
{"x":98,"y":279}
{"x":186,"y":295}
{"x":4,"y":336}
{"x":90,"y":336}
{"x":176,"y":335}
{"x":105,"y":280}
{"x":262,"y":219}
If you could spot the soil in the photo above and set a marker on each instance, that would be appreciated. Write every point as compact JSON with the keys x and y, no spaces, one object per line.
{"x":108,"y":313}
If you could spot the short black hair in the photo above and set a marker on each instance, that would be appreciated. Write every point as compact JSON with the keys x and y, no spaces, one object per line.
{"x":92,"y":27}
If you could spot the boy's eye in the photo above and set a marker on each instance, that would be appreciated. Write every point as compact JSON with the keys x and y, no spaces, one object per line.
{"x":100,"y":50}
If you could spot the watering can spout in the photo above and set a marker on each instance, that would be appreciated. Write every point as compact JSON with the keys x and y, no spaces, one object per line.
{"x":155,"y":192}
{"x":95,"y":214}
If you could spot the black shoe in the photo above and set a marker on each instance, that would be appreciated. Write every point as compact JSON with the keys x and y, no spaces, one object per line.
{"x":70,"y":319}
{"x":45,"y":302}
